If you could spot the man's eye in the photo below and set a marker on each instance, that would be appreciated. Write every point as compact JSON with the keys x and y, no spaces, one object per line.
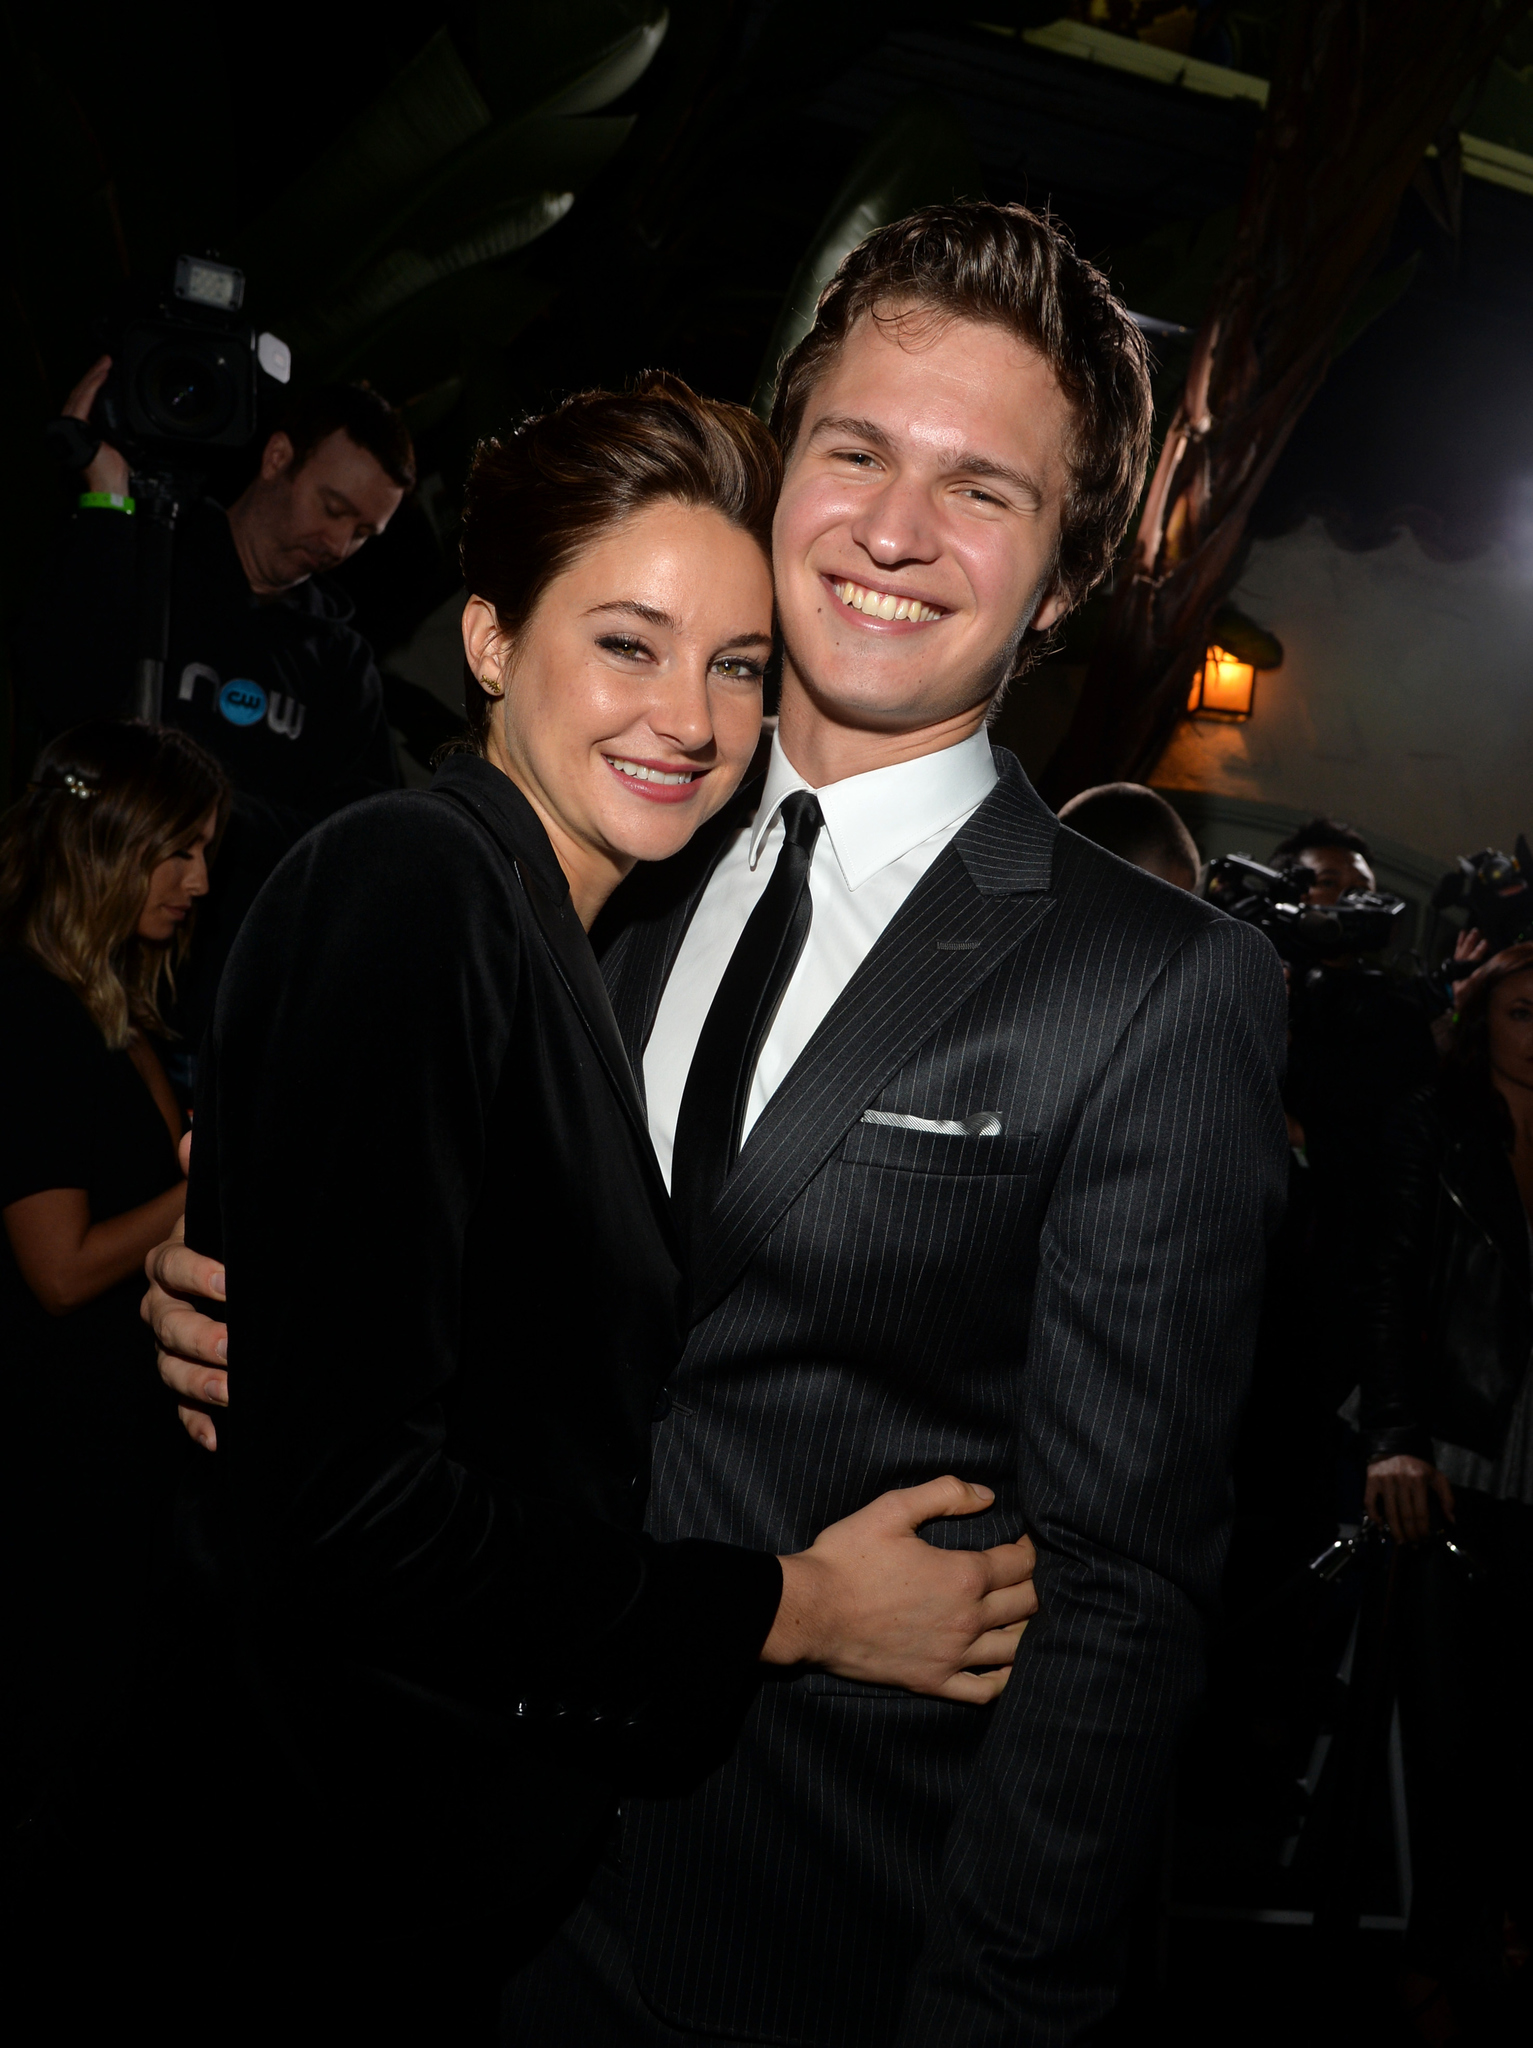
{"x":858,"y":457}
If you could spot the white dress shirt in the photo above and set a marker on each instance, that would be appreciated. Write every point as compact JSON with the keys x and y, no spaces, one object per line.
{"x":882,"y":832}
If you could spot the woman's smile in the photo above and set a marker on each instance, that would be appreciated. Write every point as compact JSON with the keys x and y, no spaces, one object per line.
{"x":657,"y":782}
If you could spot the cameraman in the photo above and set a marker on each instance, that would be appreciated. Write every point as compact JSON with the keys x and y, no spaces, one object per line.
{"x":263,"y":667}
{"x":1359,"y":1041}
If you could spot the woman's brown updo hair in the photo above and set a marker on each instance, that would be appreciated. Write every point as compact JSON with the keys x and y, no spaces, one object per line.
{"x":538,"y":496}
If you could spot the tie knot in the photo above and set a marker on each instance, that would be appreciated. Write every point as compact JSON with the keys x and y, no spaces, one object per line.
{"x":801,"y":819}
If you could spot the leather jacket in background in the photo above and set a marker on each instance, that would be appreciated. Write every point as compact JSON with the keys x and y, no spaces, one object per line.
{"x":1449,"y":1325}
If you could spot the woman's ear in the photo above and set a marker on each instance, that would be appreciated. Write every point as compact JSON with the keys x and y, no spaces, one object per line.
{"x":484,"y":646}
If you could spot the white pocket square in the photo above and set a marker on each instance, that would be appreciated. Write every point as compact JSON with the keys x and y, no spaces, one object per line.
{"x":984,"y":1123}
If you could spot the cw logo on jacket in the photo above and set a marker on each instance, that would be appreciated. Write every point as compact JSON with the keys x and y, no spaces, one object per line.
{"x":244,"y":702}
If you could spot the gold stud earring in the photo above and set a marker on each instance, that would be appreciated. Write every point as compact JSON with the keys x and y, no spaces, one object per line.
{"x":492,"y":689}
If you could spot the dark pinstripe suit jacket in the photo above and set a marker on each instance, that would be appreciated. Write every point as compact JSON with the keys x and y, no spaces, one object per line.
{"x":1066,"y":1312}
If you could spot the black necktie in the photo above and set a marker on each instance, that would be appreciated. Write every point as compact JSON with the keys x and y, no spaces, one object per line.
{"x":760,"y":968}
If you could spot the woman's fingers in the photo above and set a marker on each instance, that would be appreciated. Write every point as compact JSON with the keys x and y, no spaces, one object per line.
{"x":975,"y":1688}
{"x":997,"y":1645}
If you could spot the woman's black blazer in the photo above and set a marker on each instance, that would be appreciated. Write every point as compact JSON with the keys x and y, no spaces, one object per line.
{"x":1450,"y":1323}
{"x":453,"y":1299}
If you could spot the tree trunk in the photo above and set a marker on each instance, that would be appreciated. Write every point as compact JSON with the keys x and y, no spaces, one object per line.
{"x":1362,"y":87}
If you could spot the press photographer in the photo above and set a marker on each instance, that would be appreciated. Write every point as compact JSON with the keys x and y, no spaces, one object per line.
{"x":160,"y":600}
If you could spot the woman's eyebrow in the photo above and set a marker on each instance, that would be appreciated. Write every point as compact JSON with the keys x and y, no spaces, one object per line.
{"x":631,"y":608}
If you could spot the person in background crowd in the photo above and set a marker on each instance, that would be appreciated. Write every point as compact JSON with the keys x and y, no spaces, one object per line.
{"x":1359,"y":1041}
{"x":264,"y":668}
{"x":1447,"y":1417}
{"x":102,"y":864}
{"x":1139,"y":826}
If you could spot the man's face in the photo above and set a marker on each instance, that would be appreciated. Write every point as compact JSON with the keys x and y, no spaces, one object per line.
{"x":306,"y":520}
{"x":929,"y":469}
{"x":1335,"y":870}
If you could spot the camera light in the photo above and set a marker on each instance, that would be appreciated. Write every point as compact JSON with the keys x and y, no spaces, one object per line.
{"x":275,"y":357}
{"x":206,"y":283}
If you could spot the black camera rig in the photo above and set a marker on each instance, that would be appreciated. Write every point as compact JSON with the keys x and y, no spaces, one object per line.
{"x":1306,"y":934}
{"x":1495,"y":892}
{"x":186,"y":387}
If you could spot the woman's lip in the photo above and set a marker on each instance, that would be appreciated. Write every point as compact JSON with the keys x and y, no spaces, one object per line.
{"x":833,"y":585}
{"x":658,"y":792}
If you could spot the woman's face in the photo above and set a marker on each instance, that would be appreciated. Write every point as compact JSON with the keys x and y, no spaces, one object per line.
{"x":176,"y":883}
{"x":632,"y":701}
{"x":1511,"y":1029}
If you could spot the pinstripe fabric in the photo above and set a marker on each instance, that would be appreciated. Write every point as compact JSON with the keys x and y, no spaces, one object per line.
{"x":1065,"y":1312}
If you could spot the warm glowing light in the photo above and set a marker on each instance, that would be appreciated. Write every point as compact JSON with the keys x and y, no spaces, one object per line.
{"x":1223,"y":687}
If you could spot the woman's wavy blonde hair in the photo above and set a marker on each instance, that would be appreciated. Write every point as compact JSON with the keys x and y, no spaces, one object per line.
{"x":107,"y":803}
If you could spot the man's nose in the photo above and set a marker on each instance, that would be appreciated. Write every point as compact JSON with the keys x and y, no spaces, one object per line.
{"x":899,"y":524}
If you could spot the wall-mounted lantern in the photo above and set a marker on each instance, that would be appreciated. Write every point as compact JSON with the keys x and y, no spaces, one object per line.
{"x":1224,"y":687}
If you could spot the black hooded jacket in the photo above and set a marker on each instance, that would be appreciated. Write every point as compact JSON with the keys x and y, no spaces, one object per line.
{"x":1449,"y":1328}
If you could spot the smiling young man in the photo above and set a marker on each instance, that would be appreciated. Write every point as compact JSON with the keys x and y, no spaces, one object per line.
{"x":973,"y":1139}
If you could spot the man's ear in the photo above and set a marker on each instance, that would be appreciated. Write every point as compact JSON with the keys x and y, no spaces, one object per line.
{"x":1053,"y":608}
{"x":276,"y":458}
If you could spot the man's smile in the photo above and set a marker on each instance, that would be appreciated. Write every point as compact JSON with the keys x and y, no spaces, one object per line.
{"x":890,"y":607}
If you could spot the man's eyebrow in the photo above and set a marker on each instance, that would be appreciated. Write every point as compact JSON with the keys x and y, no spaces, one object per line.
{"x":967,"y":464}
{"x":859,"y":430}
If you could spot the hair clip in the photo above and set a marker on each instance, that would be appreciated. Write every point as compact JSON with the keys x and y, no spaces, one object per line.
{"x":66,"y":779}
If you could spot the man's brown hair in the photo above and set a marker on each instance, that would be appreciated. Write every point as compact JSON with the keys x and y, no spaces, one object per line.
{"x":1012,"y":269}
{"x":363,"y":415}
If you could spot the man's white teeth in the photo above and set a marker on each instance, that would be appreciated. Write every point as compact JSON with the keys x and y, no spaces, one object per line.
{"x":641,"y":774}
{"x":878,"y":604}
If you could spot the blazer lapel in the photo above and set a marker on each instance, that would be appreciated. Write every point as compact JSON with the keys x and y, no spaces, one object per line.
{"x":973,"y":907}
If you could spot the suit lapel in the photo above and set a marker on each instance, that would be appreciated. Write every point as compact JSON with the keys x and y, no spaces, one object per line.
{"x":973,"y":907}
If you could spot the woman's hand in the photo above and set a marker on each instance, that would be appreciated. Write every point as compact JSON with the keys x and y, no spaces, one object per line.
{"x":1398,"y":1491}
{"x":871,"y":1600}
{"x":189,"y":1343}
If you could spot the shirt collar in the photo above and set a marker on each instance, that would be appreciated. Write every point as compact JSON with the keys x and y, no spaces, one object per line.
{"x":874,"y":819}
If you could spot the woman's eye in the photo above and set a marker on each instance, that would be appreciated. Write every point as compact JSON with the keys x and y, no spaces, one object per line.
{"x":624,"y":644}
{"x":740,"y":668}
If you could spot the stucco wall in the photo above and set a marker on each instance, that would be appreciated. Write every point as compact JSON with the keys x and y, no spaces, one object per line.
{"x":1405,"y":700}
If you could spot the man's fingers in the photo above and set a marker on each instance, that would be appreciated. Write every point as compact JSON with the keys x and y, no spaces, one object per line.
{"x":1442,"y":1487}
{"x":199,"y":1428}
{"x":188,"y":1338}
{"x":79,"y":402}
{"x":184,"y":1154}
{"x":180,"y":1270}
{"x":910,"y":1506}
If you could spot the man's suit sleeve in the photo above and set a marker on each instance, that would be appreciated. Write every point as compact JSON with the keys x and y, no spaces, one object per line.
{"x":1149,"y":1278}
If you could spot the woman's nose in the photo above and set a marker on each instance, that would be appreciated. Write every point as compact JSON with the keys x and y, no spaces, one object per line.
{"x":681,"y":712}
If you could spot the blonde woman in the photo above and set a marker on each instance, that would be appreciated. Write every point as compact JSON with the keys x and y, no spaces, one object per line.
{"x":102,"y":863}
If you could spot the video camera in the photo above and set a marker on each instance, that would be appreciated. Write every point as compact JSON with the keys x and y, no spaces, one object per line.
{"x":184,"y":390}
{"x":1306,"y":934}
{"x":1495,"y":892}
{"x":186,"y":379}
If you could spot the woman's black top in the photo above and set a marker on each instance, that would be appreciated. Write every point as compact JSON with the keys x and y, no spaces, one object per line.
{"x":75,"y":1114}
{"x":453,"y":1298}
{"x":1450,"y":1321}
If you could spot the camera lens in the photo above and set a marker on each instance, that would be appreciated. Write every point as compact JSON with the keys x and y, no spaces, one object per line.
{"x":187,"y":391}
